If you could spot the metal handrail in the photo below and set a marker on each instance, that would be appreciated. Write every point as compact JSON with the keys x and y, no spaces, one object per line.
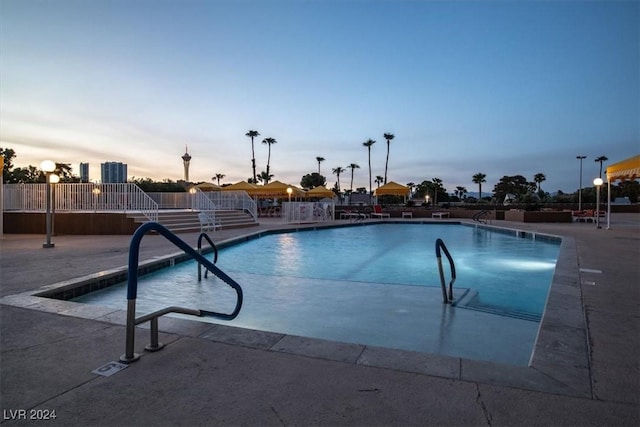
{"x":447,"y":298}
{"x":476,"y":216}
{"x":132,"y":290}
{"x":215,"y":254}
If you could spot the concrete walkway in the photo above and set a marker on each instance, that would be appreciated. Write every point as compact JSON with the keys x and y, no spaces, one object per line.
{"x":585,"y":370}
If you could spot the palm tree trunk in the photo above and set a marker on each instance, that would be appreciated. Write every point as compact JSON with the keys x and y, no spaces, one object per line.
{"x":386,"y":163}
{"x":268,"y":161}
{"x":369,"y":173}
{"x":253,"y":162}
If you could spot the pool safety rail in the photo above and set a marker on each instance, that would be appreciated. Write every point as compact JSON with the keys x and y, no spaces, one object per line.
{"x":446,"y":296}
{"x":132,"y":290}
{"x":482,"y":216}
{"x":215,"y":254}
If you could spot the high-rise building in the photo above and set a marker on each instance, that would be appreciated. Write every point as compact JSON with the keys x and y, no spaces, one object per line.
{"x":84,"y":172}
{"x":185,"y":162}
{"x":113,"y":172}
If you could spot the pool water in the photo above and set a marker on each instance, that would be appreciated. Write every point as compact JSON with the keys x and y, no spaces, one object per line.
{"x":373,"y":284}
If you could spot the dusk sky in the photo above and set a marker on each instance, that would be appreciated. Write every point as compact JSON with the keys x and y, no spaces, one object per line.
{"x":498,"y":87}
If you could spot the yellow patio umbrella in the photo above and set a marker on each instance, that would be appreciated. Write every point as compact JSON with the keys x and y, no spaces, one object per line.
{"x":393,"y":189}
{"x":628,"y":169}
{"x":320,"y":191}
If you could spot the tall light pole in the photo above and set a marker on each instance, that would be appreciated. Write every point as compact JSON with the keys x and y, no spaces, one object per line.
{"x":48,"y":167}
{"x":598,"y":183}
{"x":580,"y":188}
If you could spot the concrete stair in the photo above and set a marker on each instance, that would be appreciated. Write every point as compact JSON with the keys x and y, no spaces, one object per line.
{"x":187,"y":221}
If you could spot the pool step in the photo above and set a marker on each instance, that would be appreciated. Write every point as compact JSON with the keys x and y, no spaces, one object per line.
{"x":187,"y":221}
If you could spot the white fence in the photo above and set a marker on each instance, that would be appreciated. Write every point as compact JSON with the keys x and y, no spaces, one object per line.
{"x":73,"y":197}
{"x":207,"y":201}
{"x":307,"y":211}
{"x":124,"y":197}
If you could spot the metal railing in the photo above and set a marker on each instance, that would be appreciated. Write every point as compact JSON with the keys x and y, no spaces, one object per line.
{"x":478,"y":217}
{"x":76,"y":197}
{"x":298,"y":212}
{"x":222,"y":200}
{"x":447,"y":297}
{"x":132,"y":291}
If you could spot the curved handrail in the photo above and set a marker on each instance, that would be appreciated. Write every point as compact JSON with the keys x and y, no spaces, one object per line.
{"x":447,"y":298}
{"x":215,"y":254}
{"x":132,"y":289}
{"x":477,"y":215}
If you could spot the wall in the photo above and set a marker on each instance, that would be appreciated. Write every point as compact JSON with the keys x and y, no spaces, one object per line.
{"x":69,"y":223}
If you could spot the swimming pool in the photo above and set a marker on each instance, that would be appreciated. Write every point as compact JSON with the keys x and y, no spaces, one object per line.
{"x":376,"y":285}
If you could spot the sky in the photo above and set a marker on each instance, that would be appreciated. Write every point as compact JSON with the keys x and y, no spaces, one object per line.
{"x":493,"y":87}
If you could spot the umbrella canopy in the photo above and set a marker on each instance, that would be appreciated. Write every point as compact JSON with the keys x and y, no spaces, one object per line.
{"x":278,"y":189}
{"x":393,"y":189}
{"x":241,"y":186}
{"x":320,"y":191}
{"x":628,"y":169}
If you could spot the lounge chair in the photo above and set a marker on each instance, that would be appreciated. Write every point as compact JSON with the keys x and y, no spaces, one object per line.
{"x":351,"y":215}
{"x":377,"y":212}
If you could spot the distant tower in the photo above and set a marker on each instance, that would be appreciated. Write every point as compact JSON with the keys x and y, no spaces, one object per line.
{"x":185,"y":161}
{"x":84,"y":172}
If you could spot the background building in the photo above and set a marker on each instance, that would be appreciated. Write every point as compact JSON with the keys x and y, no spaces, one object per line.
{"x":113,"y":172}
{"x":185,"y":162}
{"x":84,"y":172}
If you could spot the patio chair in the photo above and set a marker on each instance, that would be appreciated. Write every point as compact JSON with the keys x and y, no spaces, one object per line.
{"x":377,"y":212}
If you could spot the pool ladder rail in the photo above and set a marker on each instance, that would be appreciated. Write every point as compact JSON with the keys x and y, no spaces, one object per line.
{"x":478,"y":217}
{"x":132,"y":288}
{"x":446,"y":296}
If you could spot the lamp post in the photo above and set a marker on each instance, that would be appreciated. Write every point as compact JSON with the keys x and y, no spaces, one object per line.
{"x":580,"y":188}
{"x":96,"y":195}
{"x":598,"y":183}
{"x":289,"y":191}
{"x":192,"y":191}
{"x":48,"y":167}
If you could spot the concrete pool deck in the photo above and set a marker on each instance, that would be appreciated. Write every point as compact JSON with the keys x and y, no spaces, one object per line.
{"x":585,"y":369}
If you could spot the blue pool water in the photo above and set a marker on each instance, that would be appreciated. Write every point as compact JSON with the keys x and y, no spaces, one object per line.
{"x":373,"y":284}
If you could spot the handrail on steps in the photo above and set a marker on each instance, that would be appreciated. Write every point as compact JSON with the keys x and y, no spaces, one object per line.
{"x":132,"y":290}
{"x":447,"y":297}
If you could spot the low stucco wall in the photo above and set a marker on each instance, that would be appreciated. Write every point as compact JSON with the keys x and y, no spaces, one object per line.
{"x":537,"y":216}
{"x":85,"y":223}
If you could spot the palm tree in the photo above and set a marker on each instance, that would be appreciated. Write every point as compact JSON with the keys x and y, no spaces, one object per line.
{"x":411,"y":186}
{"x":538,"y":178}
{"x":437,"y":185}
{"x":368,"y":144}
{"x":479,"y":178}
{"x":388,"y":137}
{"x":269,"y":142}
{"x":379,"y":180}
{"x":264,"y":177}
{"x":252,"y":134}
{"x":601,"y":159}
{"x":319,"y":160}
{"x":460,"y":192}
{"x":218,"y":176}
{"x":353,"y":167}
{"x":338,"y":170}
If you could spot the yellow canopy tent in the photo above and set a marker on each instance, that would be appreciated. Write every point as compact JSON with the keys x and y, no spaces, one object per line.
{"x":628,"y":169}
{"x":278,"y":189}
{"x":205,"y":186}
{"x":393,"y":189}
{"x":320,"y":191}
{"x":241,"y":186}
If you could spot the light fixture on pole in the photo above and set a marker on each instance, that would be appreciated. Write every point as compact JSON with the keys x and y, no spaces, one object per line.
{"x":289,"y":191}
{"x":580,"y":188}
{"x":96,"y":195}
{"x":48,"y":167}
{"x":598,"y":183}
